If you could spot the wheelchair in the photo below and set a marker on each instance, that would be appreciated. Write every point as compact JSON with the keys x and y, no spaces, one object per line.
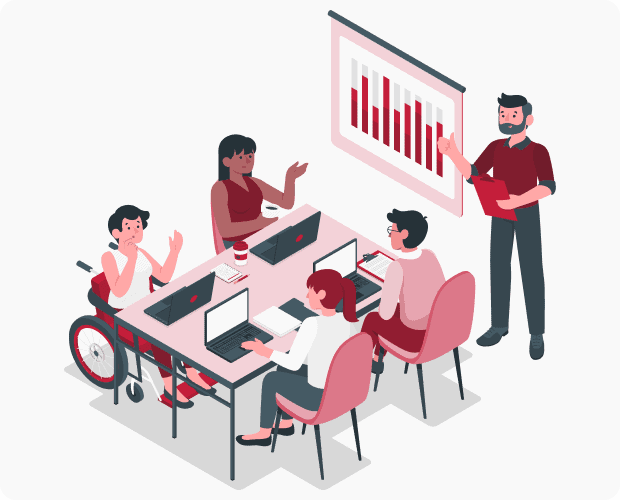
{"x":91,"y":340}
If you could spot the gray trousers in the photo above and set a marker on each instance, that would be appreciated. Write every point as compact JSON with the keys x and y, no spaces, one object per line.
{"x":228,"y":244}
{"x":293,"y":386}
{"x":527,"y":230}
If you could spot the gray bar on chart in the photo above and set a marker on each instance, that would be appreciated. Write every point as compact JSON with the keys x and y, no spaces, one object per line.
{"x":397,"y":97}
{"x":354,"y":74}
{"x":407,"y":97}
{"x":364,"y":70}
{"x":375,"y":89}
{"x":439,"y":116}
{"x":429,"y":114}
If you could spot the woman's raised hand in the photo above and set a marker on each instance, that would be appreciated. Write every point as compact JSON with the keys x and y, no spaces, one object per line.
{"x":176,"y":243}
{"x":295,"y":171}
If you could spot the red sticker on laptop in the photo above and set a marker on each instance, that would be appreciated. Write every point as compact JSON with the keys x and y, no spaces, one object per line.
{"x":299,"y":238}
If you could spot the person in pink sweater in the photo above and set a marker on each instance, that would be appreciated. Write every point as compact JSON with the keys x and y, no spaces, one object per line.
{"x":411,"y":283}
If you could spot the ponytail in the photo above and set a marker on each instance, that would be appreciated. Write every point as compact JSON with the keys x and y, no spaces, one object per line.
{"x":348,"y":300}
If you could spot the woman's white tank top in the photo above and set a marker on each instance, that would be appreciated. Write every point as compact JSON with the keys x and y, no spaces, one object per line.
{"x":139,"y":287}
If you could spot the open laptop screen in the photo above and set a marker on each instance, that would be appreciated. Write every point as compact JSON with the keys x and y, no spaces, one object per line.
{"x":343,"y":260}
{"x":226,"y":316}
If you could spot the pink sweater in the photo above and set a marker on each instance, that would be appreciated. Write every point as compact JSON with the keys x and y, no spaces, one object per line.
{"x":413,"y":280}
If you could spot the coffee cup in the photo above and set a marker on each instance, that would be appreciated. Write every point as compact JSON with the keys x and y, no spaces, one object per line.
{"x":240,"y":249}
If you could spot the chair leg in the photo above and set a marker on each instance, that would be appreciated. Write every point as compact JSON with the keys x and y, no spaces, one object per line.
{"x":357,"y":436}
{"x":406,"y":368}
{"x":381,"y":351}
{"x":317,"y":434}
{"x":303,"y":430}
{"x":275,"y":434}
{"x":457,"y":362}
{"x":421,"y":381}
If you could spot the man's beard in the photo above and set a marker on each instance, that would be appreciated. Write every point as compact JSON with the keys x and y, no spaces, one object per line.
{"x":505,"y":128}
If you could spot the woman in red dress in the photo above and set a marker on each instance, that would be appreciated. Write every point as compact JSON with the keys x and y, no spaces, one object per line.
{"x":237,"y":197}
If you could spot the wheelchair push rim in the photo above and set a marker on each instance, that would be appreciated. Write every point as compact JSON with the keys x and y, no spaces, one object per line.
{"x":95,"y":353}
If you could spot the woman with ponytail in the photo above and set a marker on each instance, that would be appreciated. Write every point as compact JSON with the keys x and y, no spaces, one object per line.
{"x":302,"y":371}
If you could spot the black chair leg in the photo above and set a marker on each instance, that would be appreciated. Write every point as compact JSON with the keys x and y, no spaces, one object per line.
{"x":275,"y":433}
{"x":357,"y":436}
{"x":457,"y":362}
{"x":421,"y":380}
{"x":381,"y":351}
{"x":317,"y":434}
{"x":303,"y":430}
{"x":406,"y":368}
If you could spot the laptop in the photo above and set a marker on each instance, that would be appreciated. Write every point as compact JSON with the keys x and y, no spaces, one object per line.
{"x":344,"y":260}
{"x":183,"y":302}
{"x":288,"y":241}
{"x":227,"y":326}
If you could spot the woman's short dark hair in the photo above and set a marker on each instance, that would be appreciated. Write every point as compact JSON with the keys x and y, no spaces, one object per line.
{"x":229,"y":147}
{"x":128,"y":212}
{"x":414,"y":222}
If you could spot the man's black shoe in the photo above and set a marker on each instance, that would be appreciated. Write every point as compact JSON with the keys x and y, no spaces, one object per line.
{"x":492,"y":336}
{"x":537,"y":347}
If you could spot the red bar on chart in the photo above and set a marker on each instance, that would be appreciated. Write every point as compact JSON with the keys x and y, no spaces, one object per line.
{"x":418,"y":130}
{"x":407,"y":124}
{"x":429,"y":136}
{"x":439,"y":134}
{"x":386,"y":111}
{"x":375,"y":105}
{"x":364,"y":99}
{"x":354,"y":93}
{"x":396,"y":117}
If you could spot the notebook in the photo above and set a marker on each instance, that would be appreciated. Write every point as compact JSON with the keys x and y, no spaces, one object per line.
{"x":226,"y":273}
{"x":276,"y":321}
{"x":377,"y":266}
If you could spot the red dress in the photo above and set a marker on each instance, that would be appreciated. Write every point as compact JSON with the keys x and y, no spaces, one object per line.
{"x":243,"y":205}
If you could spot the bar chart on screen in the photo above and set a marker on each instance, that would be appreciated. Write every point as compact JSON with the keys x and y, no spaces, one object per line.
{"x":396,"y":109}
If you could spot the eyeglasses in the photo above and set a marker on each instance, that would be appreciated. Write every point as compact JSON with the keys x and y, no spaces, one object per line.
{"x":390,"y":230}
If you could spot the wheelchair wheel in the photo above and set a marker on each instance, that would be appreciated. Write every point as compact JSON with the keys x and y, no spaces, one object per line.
{"x":137,"y":395}
{"x":92,"y":346}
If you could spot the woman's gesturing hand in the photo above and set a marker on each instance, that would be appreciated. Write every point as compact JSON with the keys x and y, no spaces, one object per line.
{"x":176,"y":243}
{"x":295,"y":171}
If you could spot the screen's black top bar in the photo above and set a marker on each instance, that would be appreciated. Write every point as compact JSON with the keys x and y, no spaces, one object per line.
{"x":396,"y":51}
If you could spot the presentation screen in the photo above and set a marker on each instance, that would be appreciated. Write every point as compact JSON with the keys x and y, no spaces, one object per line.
{"x":388,"y":109}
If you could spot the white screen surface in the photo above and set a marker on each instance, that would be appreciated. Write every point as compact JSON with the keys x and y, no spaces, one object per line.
{"x":344,"y":260}
{"x":227,"y":316}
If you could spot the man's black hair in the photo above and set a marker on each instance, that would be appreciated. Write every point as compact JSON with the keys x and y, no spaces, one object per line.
{"x":414,"y":222}
{"x":515,"y":101}
{"x":231,"y":145}
{"x":128,"y":212}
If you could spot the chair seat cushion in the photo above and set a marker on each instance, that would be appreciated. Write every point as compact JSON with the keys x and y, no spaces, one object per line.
{"x":408,"y":357}
{"x":294,"y":410}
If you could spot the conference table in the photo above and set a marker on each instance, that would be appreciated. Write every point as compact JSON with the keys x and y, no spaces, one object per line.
{"x":268,"y":286}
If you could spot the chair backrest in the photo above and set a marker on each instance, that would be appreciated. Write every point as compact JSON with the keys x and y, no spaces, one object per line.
{"x":348,"y":378}
{"x":449,"y":323}
{"x":218,"y":241}
{"x":101,"y":288}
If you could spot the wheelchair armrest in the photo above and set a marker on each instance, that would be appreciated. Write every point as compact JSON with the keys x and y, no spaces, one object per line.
{"x":99,"y":303}
{"x":157,"y":282}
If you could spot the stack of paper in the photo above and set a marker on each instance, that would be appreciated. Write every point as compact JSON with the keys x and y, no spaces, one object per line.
{"x":276,"y":321}
{"x":226,"y":273}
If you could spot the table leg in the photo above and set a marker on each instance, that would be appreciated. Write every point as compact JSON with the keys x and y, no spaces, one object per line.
{"x":174,"y":397}
{"x":116,"y":371}
{"x":232,"y":434}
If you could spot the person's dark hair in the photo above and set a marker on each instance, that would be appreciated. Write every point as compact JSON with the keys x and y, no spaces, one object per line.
{"x":515,"y":101}
{"x":414,"y":222}
{"x":336,"y":289}
{"x":230,"y":146}
{"x":128,"y":212}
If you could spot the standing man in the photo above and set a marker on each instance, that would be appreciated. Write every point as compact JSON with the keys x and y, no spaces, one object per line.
{"x":526,"y":169}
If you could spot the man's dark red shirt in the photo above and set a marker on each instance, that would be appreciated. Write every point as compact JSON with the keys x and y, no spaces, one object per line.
{"x":522,"y":166}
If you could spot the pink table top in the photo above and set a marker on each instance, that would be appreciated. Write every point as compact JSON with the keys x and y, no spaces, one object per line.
{"x":268,"y":286}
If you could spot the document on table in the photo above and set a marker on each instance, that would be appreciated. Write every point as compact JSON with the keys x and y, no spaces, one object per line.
{"x":376,"y":267}
{"x":226,"y":273}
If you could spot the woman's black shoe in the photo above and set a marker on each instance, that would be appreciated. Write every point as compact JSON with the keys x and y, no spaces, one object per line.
{"x":288,"y":431}
{"x":254,"y":442}
{"x":377,"y":368}
{"x":184,"y":405}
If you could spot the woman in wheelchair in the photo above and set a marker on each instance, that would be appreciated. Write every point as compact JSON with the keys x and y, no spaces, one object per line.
{"x":127,"y":271}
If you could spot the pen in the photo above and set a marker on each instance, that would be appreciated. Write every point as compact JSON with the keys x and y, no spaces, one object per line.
{"x":241,"y":279}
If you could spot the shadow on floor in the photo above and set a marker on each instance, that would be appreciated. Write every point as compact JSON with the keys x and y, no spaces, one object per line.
{"x":203,"y":437}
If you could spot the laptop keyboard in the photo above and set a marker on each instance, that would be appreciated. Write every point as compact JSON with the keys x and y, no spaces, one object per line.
{"x":249,"y":332}
{"x":359,"y":281}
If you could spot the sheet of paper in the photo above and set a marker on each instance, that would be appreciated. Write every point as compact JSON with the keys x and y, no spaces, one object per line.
{"x":377,"y":266}
{"x":226,"y":273}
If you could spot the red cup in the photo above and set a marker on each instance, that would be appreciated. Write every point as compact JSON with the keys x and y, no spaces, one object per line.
{"x":240,"y":248}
